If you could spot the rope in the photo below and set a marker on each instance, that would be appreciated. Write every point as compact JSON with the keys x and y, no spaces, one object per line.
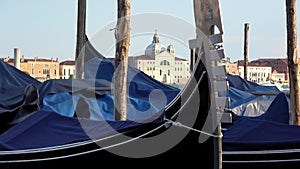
{"x":178,"y":124}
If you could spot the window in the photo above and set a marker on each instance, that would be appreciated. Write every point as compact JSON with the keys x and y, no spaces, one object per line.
{"x":165,"y":63}
{"x":46,"y":71}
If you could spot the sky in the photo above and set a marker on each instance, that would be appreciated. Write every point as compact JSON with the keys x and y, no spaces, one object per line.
{"x":47,"y":28}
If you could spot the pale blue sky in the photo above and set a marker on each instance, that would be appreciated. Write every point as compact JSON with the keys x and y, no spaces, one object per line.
{"x":47,"y":28}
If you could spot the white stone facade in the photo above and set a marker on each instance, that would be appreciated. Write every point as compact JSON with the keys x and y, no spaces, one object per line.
{"x":161,"y":63}
{"x":257,"y":74}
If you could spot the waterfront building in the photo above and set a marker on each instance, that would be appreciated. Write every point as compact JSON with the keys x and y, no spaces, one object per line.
{"x":67,"y":69}
{"x":161,"y":63}
{"x":40,"y":68}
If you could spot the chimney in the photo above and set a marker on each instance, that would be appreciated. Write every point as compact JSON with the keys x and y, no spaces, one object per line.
{"x":17,"y":55}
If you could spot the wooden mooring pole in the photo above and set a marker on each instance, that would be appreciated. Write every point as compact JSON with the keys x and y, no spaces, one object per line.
{"x":293,"y":66}
{"x":121,"y":60}
{"x":246,"y":41}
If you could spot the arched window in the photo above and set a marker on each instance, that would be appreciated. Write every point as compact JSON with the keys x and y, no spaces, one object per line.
{"x":165,"y":63}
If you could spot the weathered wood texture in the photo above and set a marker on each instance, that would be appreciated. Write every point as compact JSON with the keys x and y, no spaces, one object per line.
{"x":293,"y":60}
{"x":121,"y":59}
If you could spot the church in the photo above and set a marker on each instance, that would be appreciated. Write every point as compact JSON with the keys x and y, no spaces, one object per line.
{"x":161,"y":63}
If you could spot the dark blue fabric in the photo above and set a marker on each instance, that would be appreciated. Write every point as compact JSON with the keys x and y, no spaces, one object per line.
{"x":278,"y":111}
{"x":11,"y":76}
{"x":244,"y":85}
{"x":71,"y":85}
{"x":101,"y":107}
{"x":238,"y":97}
{"x":139,"y":84}
{"x":255,"y":134}
{"x":269,"y":131}
{"x":53,"y":124}
{"x":47,"y":128}
{"x":12,"y":85}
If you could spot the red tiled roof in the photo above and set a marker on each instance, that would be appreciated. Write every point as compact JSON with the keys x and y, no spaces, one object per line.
{"x":280,"y":65}
{"x":67,"y":62}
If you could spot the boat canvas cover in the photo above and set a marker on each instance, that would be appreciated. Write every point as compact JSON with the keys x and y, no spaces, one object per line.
{"x":268,"y":131}
{"x":55,"y":122}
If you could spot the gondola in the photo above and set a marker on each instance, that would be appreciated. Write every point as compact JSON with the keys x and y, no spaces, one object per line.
{"x":256,"y":137}
{"x":171,"y":133}
{"x":187,"y":130}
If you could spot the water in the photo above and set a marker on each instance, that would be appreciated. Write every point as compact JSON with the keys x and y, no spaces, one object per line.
{"x":179,"y":86}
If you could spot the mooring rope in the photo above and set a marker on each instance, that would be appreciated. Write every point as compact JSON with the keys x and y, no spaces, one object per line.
{"x":178,"y":124}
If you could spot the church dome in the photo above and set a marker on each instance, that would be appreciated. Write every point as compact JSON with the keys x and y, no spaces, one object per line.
{"x":155,"y":47}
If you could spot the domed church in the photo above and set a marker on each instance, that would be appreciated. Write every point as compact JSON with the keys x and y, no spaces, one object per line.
{"x":161,"y":63}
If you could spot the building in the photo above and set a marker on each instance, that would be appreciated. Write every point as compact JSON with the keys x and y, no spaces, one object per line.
{"x":67,"y":69}
{"x":161,"y":63}
{"x":279,"y":68}
{"x":255,"y":73}
{"x":39,"y":68}
{"x":231,"y":68}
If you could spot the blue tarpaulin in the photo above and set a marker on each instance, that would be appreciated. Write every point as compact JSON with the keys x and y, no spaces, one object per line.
{"x":268,"y":131}
{"x":248,"y":98}
{"x":56,"y":123}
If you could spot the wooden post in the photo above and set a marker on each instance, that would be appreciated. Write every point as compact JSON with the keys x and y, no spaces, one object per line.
{"x":246,"y":30}
{"x":121,"y":59}
{"x":81,"y":39}
{"x":293,"y":60}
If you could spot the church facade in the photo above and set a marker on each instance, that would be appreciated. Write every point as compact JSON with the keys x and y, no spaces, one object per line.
{"x":161,"y":63}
